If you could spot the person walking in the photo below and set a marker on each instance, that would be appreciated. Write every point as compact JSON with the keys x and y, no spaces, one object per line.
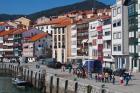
{"x":127,"y":80}
{"x":106,"y":77}
{"x":121,"y":80}
{"x":110,"y":77}
{"x":113,"y":79}
{"x":96,"y":77}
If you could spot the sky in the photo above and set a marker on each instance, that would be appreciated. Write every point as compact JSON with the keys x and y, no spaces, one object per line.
{"x":32,"y":6}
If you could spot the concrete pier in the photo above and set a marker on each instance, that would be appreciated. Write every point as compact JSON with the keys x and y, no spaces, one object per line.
{"x":35,"y":77}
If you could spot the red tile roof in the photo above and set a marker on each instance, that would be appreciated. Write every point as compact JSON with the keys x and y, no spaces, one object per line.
{"x":19,"y":31}
{"x":3,"y":33}
{"x":64,"y":22}
{"x":2,"y":23}
{"x":55,"y":21}
{"x":37,"y":37}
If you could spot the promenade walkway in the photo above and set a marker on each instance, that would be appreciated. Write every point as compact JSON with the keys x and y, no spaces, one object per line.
{"x":133,"y":87}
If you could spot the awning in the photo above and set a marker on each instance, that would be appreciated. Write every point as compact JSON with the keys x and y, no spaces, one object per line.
{"x":85,"y":41}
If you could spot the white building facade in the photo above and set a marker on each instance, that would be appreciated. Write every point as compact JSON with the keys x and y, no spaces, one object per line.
{"x":120,"y":35}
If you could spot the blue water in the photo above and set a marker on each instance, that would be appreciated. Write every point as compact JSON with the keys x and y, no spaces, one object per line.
{"x":6,"y":86}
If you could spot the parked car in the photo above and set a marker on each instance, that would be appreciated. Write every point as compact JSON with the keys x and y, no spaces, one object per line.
{"x":107,"y":70}
{"x":54,"y":64}
{"x":119,"y":72}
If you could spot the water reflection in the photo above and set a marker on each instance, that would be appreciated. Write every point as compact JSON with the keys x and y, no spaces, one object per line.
{"x":6,"y":86}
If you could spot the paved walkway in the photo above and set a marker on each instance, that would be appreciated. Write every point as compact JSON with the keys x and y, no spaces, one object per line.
{"x":133,"y":87}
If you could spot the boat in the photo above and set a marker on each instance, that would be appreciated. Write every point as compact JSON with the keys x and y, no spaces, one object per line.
{"x":20,"y":83}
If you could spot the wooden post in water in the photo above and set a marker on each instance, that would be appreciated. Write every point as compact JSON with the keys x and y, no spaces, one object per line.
{"x":31,"y":77}
{"x":35,"y":79}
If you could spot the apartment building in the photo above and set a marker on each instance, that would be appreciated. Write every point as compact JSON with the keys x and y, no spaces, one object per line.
{"x":107,"y":43}
{"x":36,"y":47}
{"x":61,"y":40}
{"x":45,"y":27}
{"x":82,"y":38}
{"x":18,"y":42}
{"x":95,"y":39}
{"x":120,"y":34}
{"x":134,"y":34}
{"x":7,"y":43}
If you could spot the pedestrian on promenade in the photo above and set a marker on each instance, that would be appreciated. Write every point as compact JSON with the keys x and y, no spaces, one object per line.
{"x":121,"y":80}
{"x":63,"y":68}
{"x":96,"y":77}
{"x":70,"y":68}
{"x":106,"y":77}
{"x":127,"y":80}
{"x":74,"y":68}
{"x":103,"y":77}
{"x":113,"y":79}
{"x":110,"y":77}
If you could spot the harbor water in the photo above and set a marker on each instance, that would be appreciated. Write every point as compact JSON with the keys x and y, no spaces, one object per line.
{"x":6,"y":86}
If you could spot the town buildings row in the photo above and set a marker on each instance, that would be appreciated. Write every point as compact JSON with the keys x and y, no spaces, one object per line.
{"x":18,"y":43}
{"x":109,"y":35}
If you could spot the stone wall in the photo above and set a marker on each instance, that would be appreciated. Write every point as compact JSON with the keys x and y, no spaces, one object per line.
{"x":56,"y":84}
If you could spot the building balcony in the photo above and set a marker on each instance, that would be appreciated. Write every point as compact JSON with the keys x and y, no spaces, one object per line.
{"x":8,"y":44}
{"x":107,"y":37}
{"x":1,"y":49}
{"x":9,"y":55}
{"x":11,"y":38}
{"x":8,"y":49}
{"x":108,"y":59}
{"x":107,"y":49}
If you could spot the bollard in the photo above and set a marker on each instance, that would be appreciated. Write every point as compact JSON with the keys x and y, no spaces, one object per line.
{"x":31,"y":76}
{"x":35,"y":79}
{"x":57,"y":86}
{"x":51,"y":84}
{"x":66,"y":86}
{"x":103,"y":88}
{"x":76,"y":87}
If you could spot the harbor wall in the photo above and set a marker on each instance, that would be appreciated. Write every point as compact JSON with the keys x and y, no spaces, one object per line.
{"x":35,"y":77}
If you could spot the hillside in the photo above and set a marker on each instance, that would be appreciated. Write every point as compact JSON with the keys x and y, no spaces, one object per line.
{"x":83,"y":5}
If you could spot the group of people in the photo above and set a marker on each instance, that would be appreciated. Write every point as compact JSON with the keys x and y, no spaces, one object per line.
{"x":105,"y":77}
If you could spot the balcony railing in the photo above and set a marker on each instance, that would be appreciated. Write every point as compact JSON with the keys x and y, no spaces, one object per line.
{"x":7,"y":49}
{"x":8,"y":44}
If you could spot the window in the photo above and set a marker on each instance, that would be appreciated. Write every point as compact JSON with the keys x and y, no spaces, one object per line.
{"x":119,"y":47}
{"x":119,"y":23}
{"x":115,"y":48}
{"x":59,"y":31}
{"x":59,"y":38}
{"x":63,"y":37}
{"x":118,"y":10}
{"x":107,"y":33}
{"x":59,"y":45}
{"x":114,"y":12}
{"x":63,"y":30}
{"x":119,"y":35}
{"x":114,"y":35}
{"x":135,"y":63}
{"x":39,"y":45}
{"x":114,"y":24}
